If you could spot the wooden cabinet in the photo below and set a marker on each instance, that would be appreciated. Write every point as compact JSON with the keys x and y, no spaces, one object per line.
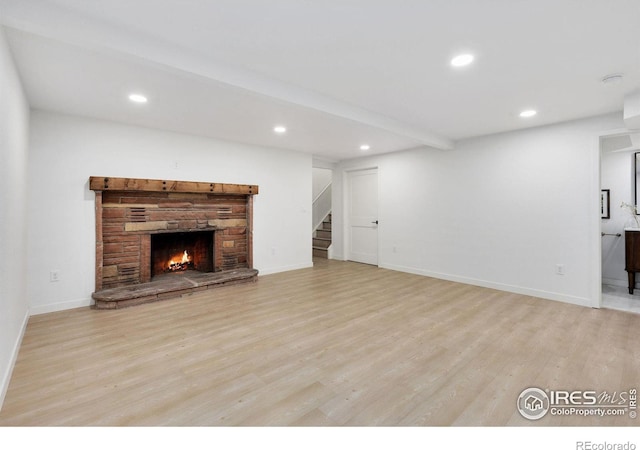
{"x":632,"y":256}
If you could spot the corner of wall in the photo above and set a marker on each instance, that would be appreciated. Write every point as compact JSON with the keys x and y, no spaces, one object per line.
{"x":6,"y":376}
{"x":14,"y":148}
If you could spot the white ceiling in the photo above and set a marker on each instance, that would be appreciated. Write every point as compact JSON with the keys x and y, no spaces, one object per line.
{"x":337,"y":73}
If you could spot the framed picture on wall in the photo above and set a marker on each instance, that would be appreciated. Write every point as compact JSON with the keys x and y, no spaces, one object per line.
{"x":605,"y":204}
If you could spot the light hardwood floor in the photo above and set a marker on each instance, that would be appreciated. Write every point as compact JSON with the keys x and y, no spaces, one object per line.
{"x":342,"y":344}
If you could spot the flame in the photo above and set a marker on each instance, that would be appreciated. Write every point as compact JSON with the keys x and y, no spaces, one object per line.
{"x":179,"y":261}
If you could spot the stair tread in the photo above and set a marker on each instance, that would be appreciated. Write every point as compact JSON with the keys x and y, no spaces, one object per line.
{"x":322,"y":238}
{"x":320,"y":254}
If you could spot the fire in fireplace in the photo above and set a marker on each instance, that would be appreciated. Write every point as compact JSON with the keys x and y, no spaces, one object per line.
{"x":183,"y":263}
{"x":179,"y":252}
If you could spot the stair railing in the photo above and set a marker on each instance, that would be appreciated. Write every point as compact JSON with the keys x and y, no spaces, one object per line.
{"x":321,"y":207}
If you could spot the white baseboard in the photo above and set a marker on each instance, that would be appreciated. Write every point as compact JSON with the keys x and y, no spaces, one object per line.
{"x":272,"y":270}
{"x":84,"y":302}
{"x":6,"y":377}
{"x":580,"y":301}
{"x":616,"y":282}
{"x":43,"y":309}
{"x":330,"y":252}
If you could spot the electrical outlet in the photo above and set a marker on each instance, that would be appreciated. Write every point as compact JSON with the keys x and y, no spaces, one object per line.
{"x":273,"y":251}
{"x":560,"y":269}
{"x":54,"y":276}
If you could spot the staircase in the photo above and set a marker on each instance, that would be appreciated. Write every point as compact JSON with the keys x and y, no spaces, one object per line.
{"x":322,"y":238}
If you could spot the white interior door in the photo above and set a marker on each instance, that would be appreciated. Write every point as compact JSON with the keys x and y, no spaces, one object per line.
{"x":363,"y":216}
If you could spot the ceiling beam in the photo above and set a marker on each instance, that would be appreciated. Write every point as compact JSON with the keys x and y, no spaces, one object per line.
{"x":51,"y":21}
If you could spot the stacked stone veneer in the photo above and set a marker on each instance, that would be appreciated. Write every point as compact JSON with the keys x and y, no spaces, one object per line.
{"x":125,"y":221}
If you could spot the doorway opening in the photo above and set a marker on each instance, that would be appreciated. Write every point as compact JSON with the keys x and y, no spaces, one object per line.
{"x":620,"y":185}
{"x":322,"y":204}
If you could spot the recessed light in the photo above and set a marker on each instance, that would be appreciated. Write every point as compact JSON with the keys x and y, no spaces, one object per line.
{"x":364,"y":147}
{"x":528,"y":113}
{"x":138,"y":98}
{"x":462,"y":60}
{"x":279,"y":129}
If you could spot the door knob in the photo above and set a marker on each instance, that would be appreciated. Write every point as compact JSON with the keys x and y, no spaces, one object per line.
{"x":376,"y":222}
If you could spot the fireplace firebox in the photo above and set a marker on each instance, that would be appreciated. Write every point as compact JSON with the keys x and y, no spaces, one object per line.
{"x":179,"y":252}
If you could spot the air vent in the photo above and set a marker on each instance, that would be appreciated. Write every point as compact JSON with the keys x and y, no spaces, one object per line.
{"x":127,"y":274}
{"x":138,"y":214}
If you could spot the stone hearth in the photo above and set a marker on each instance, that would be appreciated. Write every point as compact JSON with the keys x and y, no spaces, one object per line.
{"x":169,"y":286}
{"x":133,"y":213}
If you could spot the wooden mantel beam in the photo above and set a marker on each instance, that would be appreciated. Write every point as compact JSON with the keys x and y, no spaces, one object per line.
{"x":147,"y":185}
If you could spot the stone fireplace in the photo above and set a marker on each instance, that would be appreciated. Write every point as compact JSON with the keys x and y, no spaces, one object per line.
{"x":159,"y":238}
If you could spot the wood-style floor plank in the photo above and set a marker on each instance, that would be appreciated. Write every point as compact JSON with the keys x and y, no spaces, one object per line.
{"x":340,"y":344}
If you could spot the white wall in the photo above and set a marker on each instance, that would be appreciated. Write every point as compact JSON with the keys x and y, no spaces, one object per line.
{"x":499,"y":211}
{"x":14,"y":126}
{"x":65,"y":151}
{"x":617,"y":176}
